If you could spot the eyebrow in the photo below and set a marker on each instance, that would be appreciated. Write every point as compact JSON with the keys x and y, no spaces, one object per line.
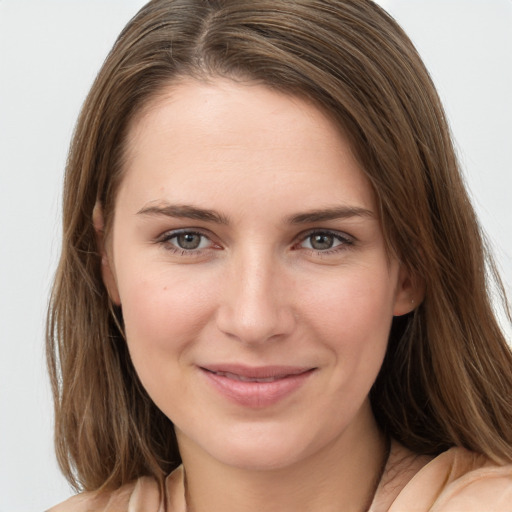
{"x":185,"y":211}
{"x":343,"y":212}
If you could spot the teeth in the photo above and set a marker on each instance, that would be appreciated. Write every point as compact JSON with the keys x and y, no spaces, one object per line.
{"x":242,"y":378}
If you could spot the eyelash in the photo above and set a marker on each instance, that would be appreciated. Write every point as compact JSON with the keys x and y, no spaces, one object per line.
{"x":165,"y":241}
{"x":345,"y":242}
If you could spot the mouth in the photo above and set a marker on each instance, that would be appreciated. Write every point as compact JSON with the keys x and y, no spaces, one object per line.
{"x":256,"y":386}
{"x":243,"y":378}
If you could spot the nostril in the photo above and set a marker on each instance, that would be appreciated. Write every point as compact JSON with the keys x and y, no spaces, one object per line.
{"x":254,"y":305}
{"x":255,"y":325}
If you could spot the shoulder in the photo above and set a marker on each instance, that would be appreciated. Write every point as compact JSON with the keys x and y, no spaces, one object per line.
{"x":125,"y":499}
{"x":457,"y":480}
{"x":142,"y":495}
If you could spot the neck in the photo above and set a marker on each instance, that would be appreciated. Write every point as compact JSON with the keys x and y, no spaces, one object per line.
{"x":342,"y":476}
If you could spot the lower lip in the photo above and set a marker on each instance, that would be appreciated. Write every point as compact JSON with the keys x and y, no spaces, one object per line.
{"x":257,"y":394}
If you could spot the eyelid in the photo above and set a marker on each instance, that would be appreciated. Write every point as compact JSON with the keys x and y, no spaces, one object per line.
{"x":170,"y":233}
{"x":345,"y":239}
{"x":165,"y":238}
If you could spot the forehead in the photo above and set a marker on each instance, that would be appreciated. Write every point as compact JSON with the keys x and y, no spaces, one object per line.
{"x":248,"y":139}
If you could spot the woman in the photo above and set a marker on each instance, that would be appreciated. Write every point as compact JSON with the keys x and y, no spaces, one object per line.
{"x":272,"y":292}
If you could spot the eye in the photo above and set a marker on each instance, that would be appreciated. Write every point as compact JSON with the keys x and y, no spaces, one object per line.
{"x":185,"y":241}
{"x":323,"y":241}
{"x":188,"y":241}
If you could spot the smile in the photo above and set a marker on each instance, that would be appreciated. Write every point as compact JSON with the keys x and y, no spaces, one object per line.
{"x":256,"y":387}
{"x":243,"y":378}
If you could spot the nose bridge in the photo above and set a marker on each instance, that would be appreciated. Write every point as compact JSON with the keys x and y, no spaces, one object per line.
{"x":255,"y":305}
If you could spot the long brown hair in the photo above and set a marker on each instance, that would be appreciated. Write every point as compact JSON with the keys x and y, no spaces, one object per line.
{"x":447,"y":376}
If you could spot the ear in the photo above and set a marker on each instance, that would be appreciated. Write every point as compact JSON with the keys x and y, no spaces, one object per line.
{"x":107,"y":271}
{"x":409,"y":293}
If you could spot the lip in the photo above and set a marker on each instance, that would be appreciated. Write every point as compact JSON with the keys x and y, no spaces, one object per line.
{"x":256,"y":387}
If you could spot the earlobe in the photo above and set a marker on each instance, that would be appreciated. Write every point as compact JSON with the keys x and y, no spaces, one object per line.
{"x":107,"y":272}
{"x":410,"y":292}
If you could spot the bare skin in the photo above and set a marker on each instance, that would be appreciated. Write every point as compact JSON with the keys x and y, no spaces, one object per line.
{"x":257,"y":295}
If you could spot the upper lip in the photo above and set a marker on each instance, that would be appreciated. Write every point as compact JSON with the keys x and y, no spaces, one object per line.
{"x":257,"y":372}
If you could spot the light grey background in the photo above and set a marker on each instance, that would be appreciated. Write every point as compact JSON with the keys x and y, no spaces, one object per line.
{"x":50,"y":51}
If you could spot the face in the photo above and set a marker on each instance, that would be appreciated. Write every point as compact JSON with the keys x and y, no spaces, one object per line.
{"x":248,"y":259}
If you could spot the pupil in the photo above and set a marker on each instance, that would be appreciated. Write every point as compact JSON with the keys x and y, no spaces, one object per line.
{"x":189,"y":241}
{"x":322,"y":241}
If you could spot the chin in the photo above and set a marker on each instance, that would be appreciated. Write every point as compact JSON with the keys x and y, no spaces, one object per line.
{"x":259,"y":447}
{"x":259,"y":457}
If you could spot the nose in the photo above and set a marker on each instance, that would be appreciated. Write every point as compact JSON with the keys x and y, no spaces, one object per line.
{"x":256,"y":305}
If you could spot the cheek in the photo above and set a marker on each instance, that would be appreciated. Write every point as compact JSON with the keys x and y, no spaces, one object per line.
{"x":162,"y":313}
{"x":352,"y":316}
{"x":359,"y":301}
